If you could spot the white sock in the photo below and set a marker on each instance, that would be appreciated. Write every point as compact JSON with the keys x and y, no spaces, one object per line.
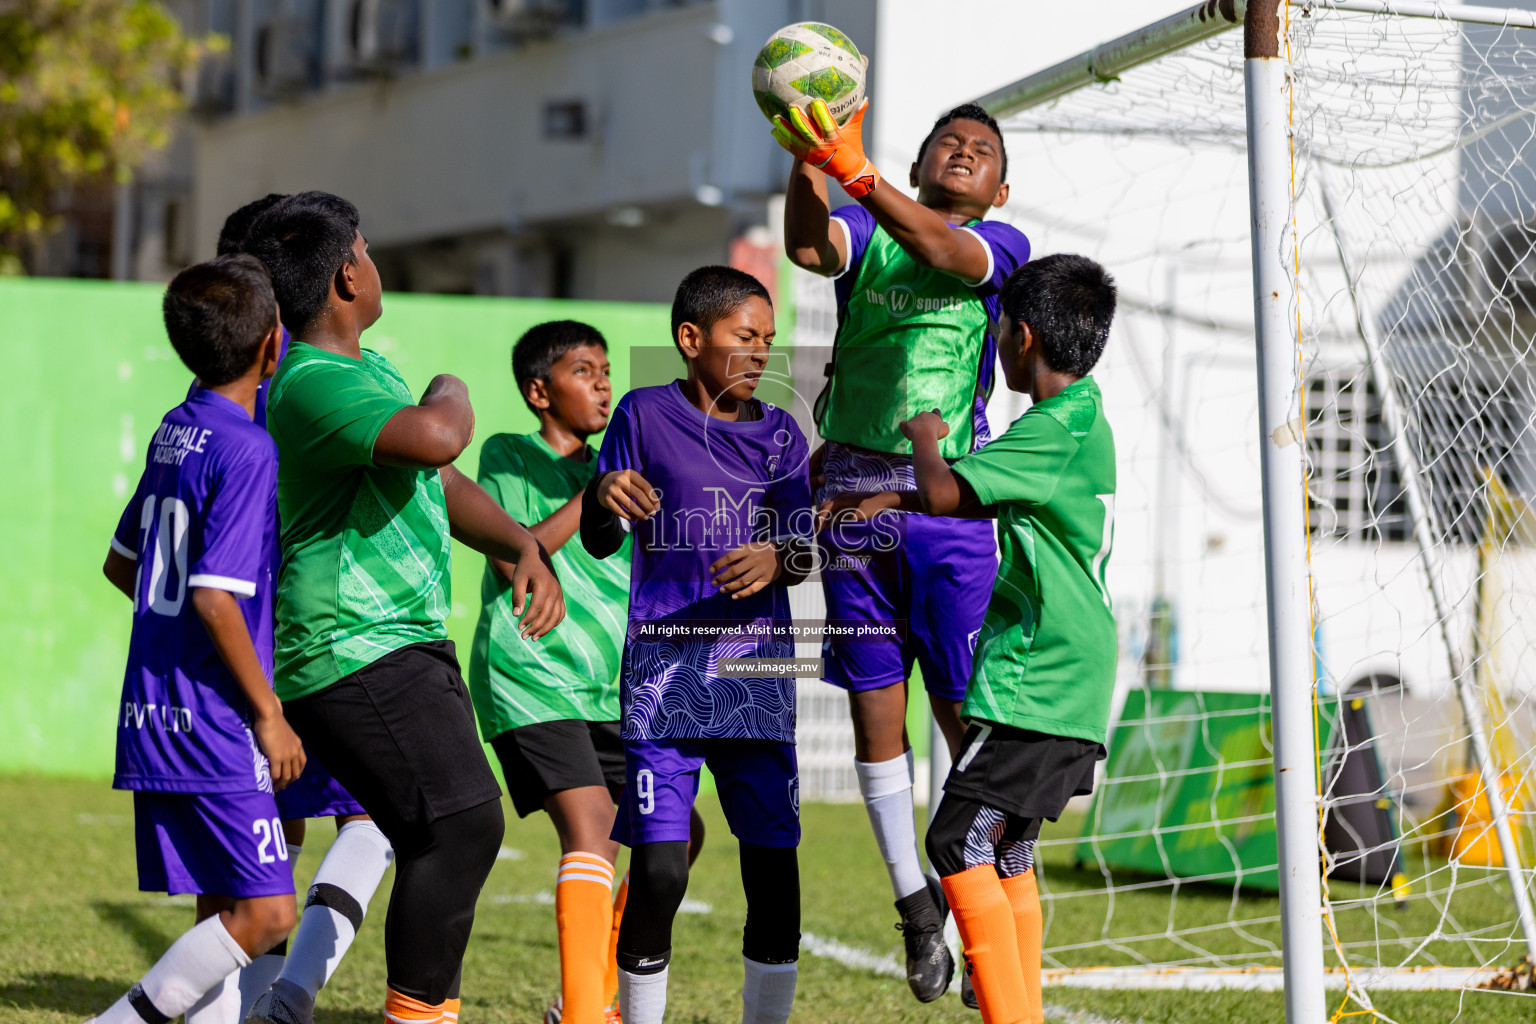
{"x":886,"y":787}
{"x":354,"y":865}
{"x":257,"y":978}
{"x":203,"y":957}
{"x":220,"y":1004}
{"x":643,"y":997}
{"x":768,"y":992}
{"x":259,"y":974}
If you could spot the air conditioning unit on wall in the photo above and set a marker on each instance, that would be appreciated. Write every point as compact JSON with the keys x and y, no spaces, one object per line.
{"x":381,"y":35}
{"x":532,"y":18}
{"x":284,"y":56}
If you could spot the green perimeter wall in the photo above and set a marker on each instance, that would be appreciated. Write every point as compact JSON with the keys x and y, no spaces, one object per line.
{"x":89,"y":375}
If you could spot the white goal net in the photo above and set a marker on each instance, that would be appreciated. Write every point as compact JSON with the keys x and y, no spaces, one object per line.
{"x":1414,"y":263}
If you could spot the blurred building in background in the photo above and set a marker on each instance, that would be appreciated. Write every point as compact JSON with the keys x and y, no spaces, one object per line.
{"x":592,"y":149}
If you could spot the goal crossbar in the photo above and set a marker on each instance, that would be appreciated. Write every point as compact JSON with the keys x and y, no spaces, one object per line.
{"x":1107,"y":61}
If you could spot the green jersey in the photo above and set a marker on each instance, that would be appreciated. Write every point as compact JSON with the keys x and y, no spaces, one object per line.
{"x":573,"y":671}
{"x":1046,"y":656}
{"x":365,"y":547}
{"x":911,"y":338}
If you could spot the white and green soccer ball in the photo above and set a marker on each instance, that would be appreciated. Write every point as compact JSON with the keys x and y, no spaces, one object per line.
{"x":809,"y":61}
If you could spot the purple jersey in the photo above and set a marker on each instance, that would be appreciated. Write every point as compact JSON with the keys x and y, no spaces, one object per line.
{"x":722,"y":484}
{"x":204,"y":515}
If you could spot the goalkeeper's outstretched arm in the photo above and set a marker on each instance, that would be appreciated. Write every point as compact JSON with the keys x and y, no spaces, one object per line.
{"x":819,"y":144}
{"x":809,"y":240}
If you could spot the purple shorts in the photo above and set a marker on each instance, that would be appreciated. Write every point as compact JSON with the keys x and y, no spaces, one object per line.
{"x":929,"y":577}
{"x":315,"y":794}
{"x":758,"y":782}
{"x":214,"y":844}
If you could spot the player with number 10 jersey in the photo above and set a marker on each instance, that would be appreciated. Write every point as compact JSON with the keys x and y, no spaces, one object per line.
{"x":203,"y":516}
{"x":201,"y":738}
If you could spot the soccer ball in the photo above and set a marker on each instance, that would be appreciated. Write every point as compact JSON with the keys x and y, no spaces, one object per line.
{"x":809,"y":61}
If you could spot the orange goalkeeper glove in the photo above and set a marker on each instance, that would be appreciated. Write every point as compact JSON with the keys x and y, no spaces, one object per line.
{"x":839,"y":152}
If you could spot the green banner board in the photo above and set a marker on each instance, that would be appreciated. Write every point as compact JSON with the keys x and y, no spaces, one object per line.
{"x":1189,"y":790}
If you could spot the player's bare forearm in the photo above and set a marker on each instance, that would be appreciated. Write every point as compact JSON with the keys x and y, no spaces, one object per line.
{"x":220,"y":612}
{"x":431,"y":434}
{"x":925,"y":235}
{"x":120,"y":570}
{"x":474,"y":519}
{"x":808,"y":238}
{"x":856,"y":506}
{"x":559,"y":526}
{"x":940,"y":490}
{"x":221,"y":617}
{"x":552,"y":531}
{"x":938,"y":487}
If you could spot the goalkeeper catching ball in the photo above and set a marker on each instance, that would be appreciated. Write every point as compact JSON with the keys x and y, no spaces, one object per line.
{"x":917,"y":283}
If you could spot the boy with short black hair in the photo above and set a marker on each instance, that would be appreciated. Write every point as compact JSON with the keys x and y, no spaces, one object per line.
{"x":713,"y":482}
{"x":238,"y":224}
{"x":202,"y":740}
{"x":917,"y":284}
{"x":1039,"y":698}
{"x":280,"y":986}
{"x":551,"y":713}
{"x":368,"y":496}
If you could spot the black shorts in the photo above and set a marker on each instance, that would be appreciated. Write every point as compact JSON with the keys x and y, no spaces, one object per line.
{"x":400,"y":735}
{"x":1025,"y":773}
{"x":965,"y":834}
{"x":542,"y":759}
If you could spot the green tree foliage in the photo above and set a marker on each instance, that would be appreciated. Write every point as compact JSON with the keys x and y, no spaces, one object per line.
{"x":88,"y":90}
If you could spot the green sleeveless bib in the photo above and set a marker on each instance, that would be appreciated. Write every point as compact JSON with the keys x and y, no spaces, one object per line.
{"x":910,"y":340}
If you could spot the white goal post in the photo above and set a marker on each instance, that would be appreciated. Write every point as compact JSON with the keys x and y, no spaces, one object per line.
{"x":1391,"y":233}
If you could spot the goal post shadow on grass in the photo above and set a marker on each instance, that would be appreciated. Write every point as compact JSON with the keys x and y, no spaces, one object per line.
{"x":1378,"y":150}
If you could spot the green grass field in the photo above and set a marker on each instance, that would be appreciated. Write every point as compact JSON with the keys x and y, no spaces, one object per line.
{"x":75,"y":932}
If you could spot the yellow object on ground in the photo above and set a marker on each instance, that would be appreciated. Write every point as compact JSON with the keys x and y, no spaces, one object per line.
{"x":1471,"y":838}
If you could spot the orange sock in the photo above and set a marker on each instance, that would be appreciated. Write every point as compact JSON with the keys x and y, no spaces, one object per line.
{"x":985,"y":919}
{"x":584,"y":917}
{"x":1024,"y":897}
{"x":399,"y":1009}
{"x":611,"y":982}
{"x":451,"y":1011}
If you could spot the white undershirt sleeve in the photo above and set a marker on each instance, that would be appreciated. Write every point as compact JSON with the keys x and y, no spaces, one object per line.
{"x":848,"y":249}
{"x":240,"y":588}
{"x":991,"y":261}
